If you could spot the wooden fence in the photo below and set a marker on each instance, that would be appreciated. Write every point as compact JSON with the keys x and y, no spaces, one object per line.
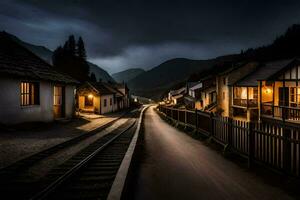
{"x":273,"y":143}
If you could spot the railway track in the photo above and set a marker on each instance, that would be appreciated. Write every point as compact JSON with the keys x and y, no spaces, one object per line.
{"x":22,"y":188}
{"x":93,"y":170}
{"x":20,"y":166}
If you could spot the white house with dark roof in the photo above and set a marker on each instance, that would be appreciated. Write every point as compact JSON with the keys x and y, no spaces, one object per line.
{"x":101,"y":98}
{"x":31,"y":90}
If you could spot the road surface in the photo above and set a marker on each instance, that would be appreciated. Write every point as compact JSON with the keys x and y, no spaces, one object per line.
{"x":176,"y":166}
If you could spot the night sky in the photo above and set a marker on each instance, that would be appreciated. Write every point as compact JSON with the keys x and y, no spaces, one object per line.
{"x":125,"y":34}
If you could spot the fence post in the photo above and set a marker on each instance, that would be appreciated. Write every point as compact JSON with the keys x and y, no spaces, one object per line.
{"x":286,"y":150}
{"x":251,"y":144}
{"x":196,"y":118}
{"x":230,"y":130}
{"x":211,"y":117}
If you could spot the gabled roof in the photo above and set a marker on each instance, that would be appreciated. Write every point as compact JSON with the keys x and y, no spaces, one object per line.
{"x":100,"y":87}
{"x":266,"y":71}
{"x":17,"y":61}
{"x":197,"y":86}
{"x":191,"y":84}
{"x":104,"y":88}
{"x":176,"y":92}
{"x":113,"y":89}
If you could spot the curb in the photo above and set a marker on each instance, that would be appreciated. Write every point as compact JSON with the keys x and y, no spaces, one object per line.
{"x":117,"y":188}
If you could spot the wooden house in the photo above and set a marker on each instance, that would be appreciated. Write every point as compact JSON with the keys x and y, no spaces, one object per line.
{"x":194,"y":93}
{"x":277,"y":89}
{"x":176,"y":96}
{"x":31,"y":90}
{"x":101,"y":98}
{"x":228,"y":101}
{"x":208,"y":93}
{"x":270,"y":92}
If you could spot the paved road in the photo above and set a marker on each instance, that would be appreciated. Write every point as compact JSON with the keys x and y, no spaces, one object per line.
{"x":178,"y":167}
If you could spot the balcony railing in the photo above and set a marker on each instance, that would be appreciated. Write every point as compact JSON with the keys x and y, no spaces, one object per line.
{"x":250,"y":103}
{"x":283,"y":112}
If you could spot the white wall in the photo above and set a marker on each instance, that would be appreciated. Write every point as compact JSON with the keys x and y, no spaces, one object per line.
{"x":108,"y":108}
{"x":11,"y":111}
{"x":69,"y":100}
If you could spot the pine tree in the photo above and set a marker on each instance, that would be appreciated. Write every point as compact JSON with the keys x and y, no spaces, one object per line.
{"x":65,"y":60}
{"x":93,"y":77}
{"x":56,"y":55}
{"x":72,"y":45}
{"x":66,"y":47}
{"x":81,"y":53}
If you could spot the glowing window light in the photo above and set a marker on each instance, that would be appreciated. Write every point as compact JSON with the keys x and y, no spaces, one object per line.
{"x":90,"y":96}
{"x":244,"y":93}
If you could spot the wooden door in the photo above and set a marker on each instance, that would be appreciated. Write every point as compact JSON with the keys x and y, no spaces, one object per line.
{"x":284,"y":101}
{"x":58,"y":102}
{"x":283,"y":96}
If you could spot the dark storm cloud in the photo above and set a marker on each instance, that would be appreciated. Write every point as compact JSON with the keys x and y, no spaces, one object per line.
{"x":122,"y":34}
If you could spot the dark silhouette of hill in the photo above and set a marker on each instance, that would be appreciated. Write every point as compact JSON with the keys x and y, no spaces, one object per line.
{"x":283,"y":47}
{"x":127,"y":75}
{"x":153,"y":83}
{"x":157,"y":81}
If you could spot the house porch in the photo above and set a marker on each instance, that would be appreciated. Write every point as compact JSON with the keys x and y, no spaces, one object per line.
{"x":280,"y":99}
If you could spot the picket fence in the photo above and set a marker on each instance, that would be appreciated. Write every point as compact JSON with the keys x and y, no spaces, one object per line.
{"x":271,"y":142}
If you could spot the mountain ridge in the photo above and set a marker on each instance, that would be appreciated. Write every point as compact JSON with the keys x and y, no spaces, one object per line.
{"x":154,"y":82}
{"x":127,"y":75}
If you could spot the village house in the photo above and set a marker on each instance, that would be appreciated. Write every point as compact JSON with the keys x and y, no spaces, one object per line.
{"x":271,"y":91}
{"x":122,"y":87}
{"x":194,"y":93}
{"x":176,"y":96}
{"x":206,"y":96}
{"x":230,"y":103}
{"x":277,"y":88}
{"x":31,"y":91}
{"x":101,"y":98}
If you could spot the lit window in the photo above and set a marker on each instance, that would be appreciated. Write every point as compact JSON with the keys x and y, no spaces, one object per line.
{"x":57,"y":96}
{"x":29,"y":93}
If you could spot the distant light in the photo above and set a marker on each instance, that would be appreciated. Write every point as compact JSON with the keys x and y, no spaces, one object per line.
{"x":90,"y":96}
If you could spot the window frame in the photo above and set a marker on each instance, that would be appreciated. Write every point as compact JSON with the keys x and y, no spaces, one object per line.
{"x":29,"y":93}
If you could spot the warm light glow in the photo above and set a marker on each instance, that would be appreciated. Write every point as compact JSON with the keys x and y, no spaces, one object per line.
{"x":244,"y":93}
{"x":90,"y":96}
{"x":267,"y":90}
